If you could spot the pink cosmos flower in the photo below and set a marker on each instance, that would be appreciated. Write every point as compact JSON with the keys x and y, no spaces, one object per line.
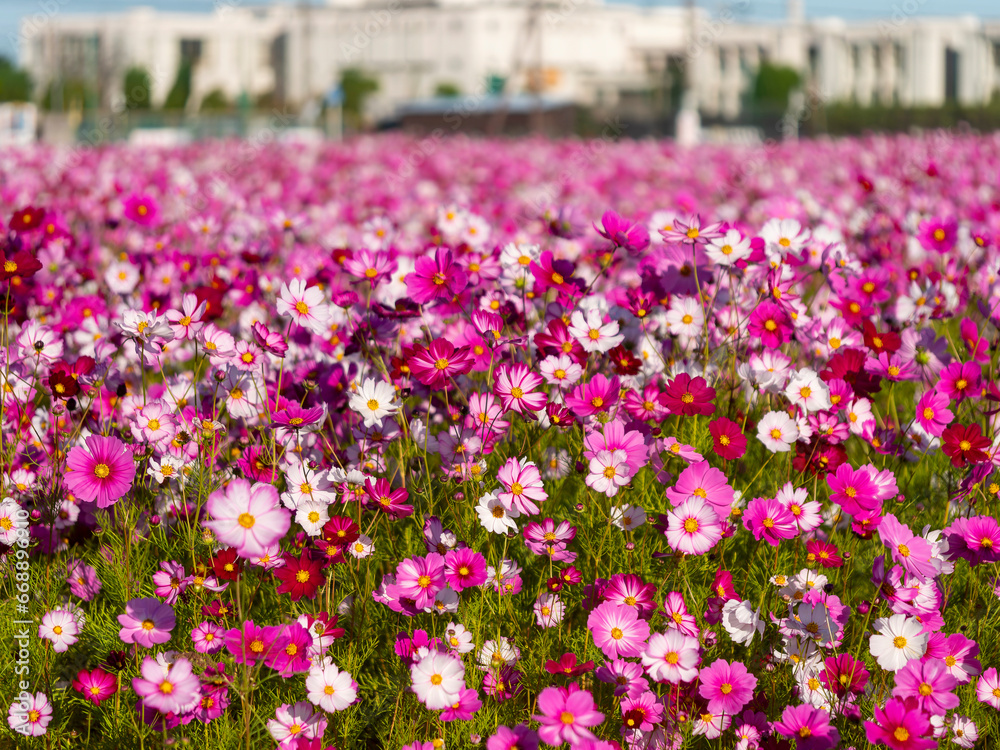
{"x":853,"y":490}
{"x":293,"y":723}
{"x":290,"y":653}
{"x":167,"y":688}
{"x":208,"y":637}
{"x":617,"y":630}
{"x":566,"y":715}
{"x":146,"y":622}
{"x":677,"y":616}
{"x":623,"y":233}
{"x":961,"y":380}
{"x":60,"y":628}
{"x":632,"y":591}
{"x":727,"y":687}
{"x":421,"y":578}
{"x":95,"y":686}
{"x":522,"y":486}
{"x":250,"y":643}
{"x":305,"y":306}
{"x":516,"y":386}
{"x":142,"y":209}
{"x":439,"y":362}
{"x":464,"y":708}
{"x":464,"y":568}
{"x":672,"y":657}
{"x":700,"y":480}
{"x":769,"y":519}
{"x":809,"y":726}
{"x":770,"y":323}
{"x":30,"y":716}
{"x":929,"y":684}
{"x":914,"y":553}
{"x":939,"y":235}
{"x":248,"y":518}
{"x":900,"y":727}
{"x":988,"y":688}
{"x":693,"y":527}
{"x":520,"y":737}
{"x":186,"y":322}
{"x":612,"y":437}
{"x":642,"y":712}
{"x":435,"y":278}
{"x":957,"y":653}
{"x":103,"y":472}
{"x":598,"y":395}
{"x":626,"y":676}
{"x":83,"y":580}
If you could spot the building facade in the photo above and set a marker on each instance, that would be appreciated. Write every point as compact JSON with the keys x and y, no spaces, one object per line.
{"x":585,"y":51}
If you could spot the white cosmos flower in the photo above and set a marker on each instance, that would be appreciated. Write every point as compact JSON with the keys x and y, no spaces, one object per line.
{"x":329,"y":688}
{"x":593,"y":333}
{"x":437,"y":680}
{"x":777,"y":431}
{"x":494,"y":516}
{"x":897,"y":640}
{"x":627,"y":517}
{"x":728,"y":249}
{"x":808,"y":391}
{"x":373,"y":401}
{"x":741,"y":622}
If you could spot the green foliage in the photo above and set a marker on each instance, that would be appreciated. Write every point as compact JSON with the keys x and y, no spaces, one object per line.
{"x":73,"y":93}
{"x":15,"y":84}
{"x":447,"y":89}
{"x":774,"y":84}
{"x":138,"y":89}
{"x":180,"y":92}
{"x":357,"y":86}
{"x":215,"y":101}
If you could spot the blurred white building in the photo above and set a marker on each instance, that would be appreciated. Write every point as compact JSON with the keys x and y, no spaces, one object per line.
{"x":583,"y":50}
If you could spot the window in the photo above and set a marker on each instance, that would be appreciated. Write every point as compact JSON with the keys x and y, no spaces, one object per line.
{"x":191,"y":50}
{"x":950,"y":75}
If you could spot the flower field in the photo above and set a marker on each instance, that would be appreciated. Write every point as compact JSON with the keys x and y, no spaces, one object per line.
{"x":509,"y":444}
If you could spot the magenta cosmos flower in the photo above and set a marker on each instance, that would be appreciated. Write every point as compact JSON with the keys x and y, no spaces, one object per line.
{"x":146,"y":622}
{"x":929,"y":683}
{"x":421,"y":578}
{"x":809,"y":727}
{"x":142,"y":209}
{"x":700,"y":480}
{"x":914,"y":553}
{"x":566,"y":714}
{"x":617,"y":630}
{"x":250,"y":519}
{"x":769,"y":519}
{"x":853,"y":490}
{"x":693,"y":527}
{"x":435,"y":278}
{"x":102,"y":472}
{"x":727,"y":687}
{"x":899,"y":727}
{"x":439,"y":362}
{"x":96,"y":685}
{"x":464,"y":568}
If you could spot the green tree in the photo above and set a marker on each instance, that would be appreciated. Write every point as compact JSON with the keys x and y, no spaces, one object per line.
{"x":357,"y":86}
{"x":138,"y":89}
{"x":15,"y":84}
{"x":180,"y":92}
{"x":72,"y":93}
{"x":215,"y":101}
{"x":774,"y":85}
{"x":447,"y":89}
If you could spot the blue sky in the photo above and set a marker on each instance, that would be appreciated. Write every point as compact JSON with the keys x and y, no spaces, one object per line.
{"x":11,"y":11}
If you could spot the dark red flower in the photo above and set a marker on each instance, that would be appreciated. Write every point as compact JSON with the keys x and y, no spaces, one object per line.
{"x":559,"y":415}
{"x":22,"y":265}
{"x":624,"y":362}
{"x":62,"y":384}
{"x":217,"y":610}
{"x":300,"y":576}
{"x":686,"y":395}
{"x":881,"y":341}
{"x":849,"y":365}
{"x":27,"y":219}
{"x":842,"y":674}
{"x":226,"y":564}
{"x":340,"y":530}
{"x":729,"y":441}
{"x":567,"y":665}
{"x":640,"y":303}
{"x":965,"y":444}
